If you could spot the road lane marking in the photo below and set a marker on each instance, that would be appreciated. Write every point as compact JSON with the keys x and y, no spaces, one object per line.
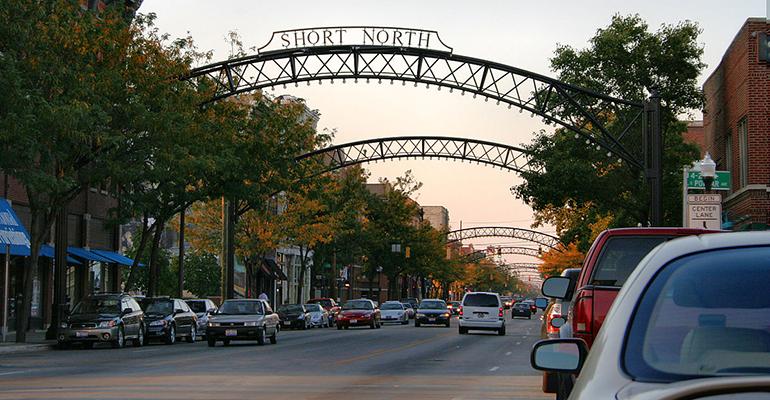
{"x":493,"y":369}
{"x":12,"y":373}
{"x":145,"y":350}
{"x":518,"y":343}
{"x":508,"y":353}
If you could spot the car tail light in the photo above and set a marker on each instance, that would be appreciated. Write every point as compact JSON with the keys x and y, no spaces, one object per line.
{"x":461,"y":311}
{"x":500,"y":314}
{"x":554,"y":313}
{"x":582,"y":314}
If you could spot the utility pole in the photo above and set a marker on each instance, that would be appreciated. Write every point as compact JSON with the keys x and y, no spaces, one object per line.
{"x":653,"y":156}
{"x":180,"y":282}
{"x":228,"y":249}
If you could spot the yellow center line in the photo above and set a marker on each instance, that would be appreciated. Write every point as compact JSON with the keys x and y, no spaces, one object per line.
{"x":389,"y":350}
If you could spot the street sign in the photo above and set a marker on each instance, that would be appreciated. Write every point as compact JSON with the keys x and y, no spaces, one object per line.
{"x":721,"y":180}
{"x":704,"y":211}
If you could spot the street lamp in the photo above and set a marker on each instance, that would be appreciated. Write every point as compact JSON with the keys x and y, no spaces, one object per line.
{"x":708,"y":170}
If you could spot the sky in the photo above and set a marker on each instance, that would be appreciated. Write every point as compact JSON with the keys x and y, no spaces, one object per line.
{"x":517,"y":33}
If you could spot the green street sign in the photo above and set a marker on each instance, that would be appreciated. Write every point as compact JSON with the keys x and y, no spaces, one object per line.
{"x":721,"y":181}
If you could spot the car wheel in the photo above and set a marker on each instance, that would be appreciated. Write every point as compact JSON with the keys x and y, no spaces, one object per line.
{"x":120,"y":341}
{"x":447,"y":324}
{"x":274,"y":338}
{"x":405,"y":322}
{"x":346,"y":327}
{"x":261,"y":336}
{"x":373,"y":325}
{"x":171,"y":336}
{"x":379,"y":324}
{"x":139,"y":341}
{"x":463,"y":331}
{"x":416,"y":324}
{"x":211,"y":341}
{"x":226,"y":342}
{"x":193,"y":333}
{"x":339,"y":327}
{"x":501,"y":331}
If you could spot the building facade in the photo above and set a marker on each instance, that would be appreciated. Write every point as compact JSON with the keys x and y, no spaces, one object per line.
{"x":737,"y":126}
{"x":437,"y":217}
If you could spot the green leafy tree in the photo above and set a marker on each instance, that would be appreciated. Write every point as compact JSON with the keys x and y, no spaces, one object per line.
{"x":202,"y":274}
{"x":624,"y":60}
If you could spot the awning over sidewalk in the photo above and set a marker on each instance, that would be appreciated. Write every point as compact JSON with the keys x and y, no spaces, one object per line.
{"x":87,"y":255}
{"x":49,"y":251}
{"x":275,"y":269}
{"x":115,"y":257}
{"x":12,"y":232}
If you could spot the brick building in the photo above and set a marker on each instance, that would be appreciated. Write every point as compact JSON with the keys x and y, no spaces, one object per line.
{"x":737,"y":126}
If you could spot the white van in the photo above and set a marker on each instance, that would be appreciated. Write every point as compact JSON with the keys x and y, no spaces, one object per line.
{"x":482,"y":311}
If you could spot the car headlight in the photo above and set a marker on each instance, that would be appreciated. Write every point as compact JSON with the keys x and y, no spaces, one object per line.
{"x":107,"y":324}
{"x":250,"y":323}
{"x":445,"y":314}
{"x":213,"y":324}
{"x":64,"y":325}
{"x":161,"y":322}
{"x":420,"y":315}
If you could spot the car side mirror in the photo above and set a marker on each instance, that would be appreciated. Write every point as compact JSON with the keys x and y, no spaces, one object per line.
{"x":541,"y":303}
{"x":556,"y":287}
{"x":126,"y":311}
{"x":559,"y":355}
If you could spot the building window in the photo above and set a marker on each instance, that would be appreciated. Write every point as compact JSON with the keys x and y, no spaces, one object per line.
{"x":743,"y":142}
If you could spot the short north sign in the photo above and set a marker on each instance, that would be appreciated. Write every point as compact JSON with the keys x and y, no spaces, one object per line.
{"x":704,"y":211}
{"x":355,"y":35}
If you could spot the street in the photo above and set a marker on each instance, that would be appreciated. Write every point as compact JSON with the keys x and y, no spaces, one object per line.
{"x":389,"y":363}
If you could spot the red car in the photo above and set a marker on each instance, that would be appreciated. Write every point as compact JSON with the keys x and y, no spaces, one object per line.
{"x":329,"y":305}
{"x":360,"y":312}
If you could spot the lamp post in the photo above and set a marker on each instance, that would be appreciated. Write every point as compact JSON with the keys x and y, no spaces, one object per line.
{"x":708,"y":171}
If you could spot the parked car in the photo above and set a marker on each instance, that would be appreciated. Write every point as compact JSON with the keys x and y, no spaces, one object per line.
{"x":432,"y":312}
{"x":168,"y":319}
{"x":394,"y":311}
{"x":482,"y":311}
{"x":329,"y":305}
{"x":521,"y":310}
{"x":409,"y":310}
{"x":294,"y":316}
{"x":507,"y":301}
{"x":103,"y":318}
{"x":318,"y":316}
{"x":691,"y":321}
{"x":203,"y":308}
{"x":243,"y":319}
{"x":454,"y":307}
{"x":360,"y":312}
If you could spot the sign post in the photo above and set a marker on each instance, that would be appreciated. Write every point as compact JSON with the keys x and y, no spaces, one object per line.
{"x":704,"y":211}
{"x":6,"y":277}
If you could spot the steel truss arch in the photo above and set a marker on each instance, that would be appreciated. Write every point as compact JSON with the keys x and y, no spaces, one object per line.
{"x":343,"y":155}
{"x":497,"y":231}
{"x":515,"y":250}
{"x":580,"y":110}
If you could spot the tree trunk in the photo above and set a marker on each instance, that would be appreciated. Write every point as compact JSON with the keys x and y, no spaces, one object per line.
{"x":301,"y":281}
{"x":142,"y":244}
{"x":152,"y":280}
{"x":39,"y":226}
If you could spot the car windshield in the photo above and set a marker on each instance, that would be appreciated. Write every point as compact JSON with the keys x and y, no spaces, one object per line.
{"x":291,"y":309}
{"x":197,"y":306}
{"x":240,"y":307}
{"x":323,"y":302}
{"x":163,"y":307}
{"x":97,"y":306}
{"x":392,"y":306}
{"x":357,"y":305}
{"x":707,"y":314}
{"x":521,"y":305}
{"x":432,"y":305}
{"x":406,"y":305}
{"x":620,"y":257}
{"x":313,"y":308}
{"x":481,"y":300}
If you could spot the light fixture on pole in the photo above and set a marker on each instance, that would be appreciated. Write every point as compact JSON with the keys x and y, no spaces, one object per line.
{"x":708,"y":170}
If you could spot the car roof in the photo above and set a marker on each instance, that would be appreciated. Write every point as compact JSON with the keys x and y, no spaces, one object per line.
{"x":657,"y":230}
{"x":492,"y":293}
{"x":692,"y":244}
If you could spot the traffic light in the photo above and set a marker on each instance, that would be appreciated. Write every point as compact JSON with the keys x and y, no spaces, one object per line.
{"x":763,"y":46}
{"x":408,"y":252}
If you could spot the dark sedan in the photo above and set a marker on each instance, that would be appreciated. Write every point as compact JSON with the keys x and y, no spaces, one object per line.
{"x":243,"y":319}
{"x":294,"y":316}
{"x":168,"y":319}
{"x":521,"y":310}
{"x":433,"y":312}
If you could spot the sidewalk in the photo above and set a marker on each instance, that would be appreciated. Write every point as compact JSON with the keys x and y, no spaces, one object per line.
{"x":35,"y":342}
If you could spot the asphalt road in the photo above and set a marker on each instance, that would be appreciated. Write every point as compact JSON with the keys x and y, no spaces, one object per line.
{"x":395,"y":362}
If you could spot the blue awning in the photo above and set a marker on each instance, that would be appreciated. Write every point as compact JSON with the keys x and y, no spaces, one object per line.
{"x":87,"y":255}
{"x":115,"y":257}
{"x":48,"y":251}
{"x":12,"y":231}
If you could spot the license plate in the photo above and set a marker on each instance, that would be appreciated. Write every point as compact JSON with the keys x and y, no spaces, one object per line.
{"x":480,"y":314}
{"x":81,"y":334}
{"x":231,"y":332}
{"x":431,"y":319}
{"x":286,"y":323}
{"x":353,"y":321}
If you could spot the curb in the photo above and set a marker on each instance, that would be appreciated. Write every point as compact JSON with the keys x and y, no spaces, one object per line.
{"x":24,"y":348}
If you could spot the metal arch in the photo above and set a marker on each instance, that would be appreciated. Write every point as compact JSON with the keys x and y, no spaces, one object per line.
{"x":517,"y":250}
{"x":494,"y":154}
{"x":583,"y":111}
{"x":497,"y":231}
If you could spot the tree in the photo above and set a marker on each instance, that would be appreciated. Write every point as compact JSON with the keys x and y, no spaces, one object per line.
{"x":557,"y":260}
{"x":202,"y":273}
{"x":624,"y":60}
{"x":60,"y":75}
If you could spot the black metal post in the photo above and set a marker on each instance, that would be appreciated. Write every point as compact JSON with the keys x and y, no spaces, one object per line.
{"x":228,"y":249}
{"x":180,"y":281}
{"x":653,"y":157}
